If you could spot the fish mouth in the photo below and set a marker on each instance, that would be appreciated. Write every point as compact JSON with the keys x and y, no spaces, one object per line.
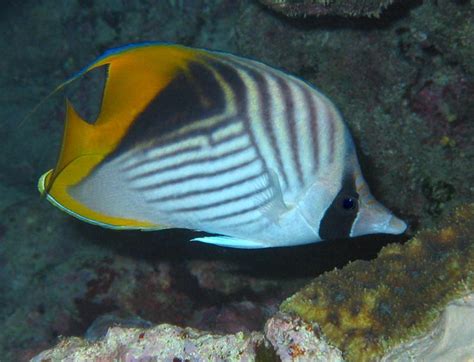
{"x":377,"y":219}
{"x":395,"y":226}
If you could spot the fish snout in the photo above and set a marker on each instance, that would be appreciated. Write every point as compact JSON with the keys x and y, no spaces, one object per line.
{"x":395,"y":226}
{"x":377,"y":219}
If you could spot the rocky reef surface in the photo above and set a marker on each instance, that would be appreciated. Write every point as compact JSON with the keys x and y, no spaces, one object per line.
{"x":403,"y":81}
{"x":349,"y":8}
{"x":412,"y":300}
{"x":161,"y":343}
{"x":285,"y":338}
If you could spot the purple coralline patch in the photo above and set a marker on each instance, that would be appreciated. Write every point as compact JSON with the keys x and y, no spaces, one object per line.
{"x":444,"y":109}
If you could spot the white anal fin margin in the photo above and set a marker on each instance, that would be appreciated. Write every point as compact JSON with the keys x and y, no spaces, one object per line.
{"x":231,"y":242}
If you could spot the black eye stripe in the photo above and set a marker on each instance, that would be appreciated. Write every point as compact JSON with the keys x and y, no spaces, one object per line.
{"x":340,"y":215}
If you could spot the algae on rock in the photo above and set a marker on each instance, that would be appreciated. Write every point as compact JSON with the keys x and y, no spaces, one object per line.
{"x":347,"y":8}
{"x":366,"y":308}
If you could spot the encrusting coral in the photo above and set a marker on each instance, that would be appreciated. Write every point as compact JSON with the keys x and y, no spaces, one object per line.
{"x":347,"y":8}
{"x":368,"y":307}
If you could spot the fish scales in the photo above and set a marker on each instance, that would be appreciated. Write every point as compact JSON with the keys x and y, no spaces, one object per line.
{"x":213,"y":142}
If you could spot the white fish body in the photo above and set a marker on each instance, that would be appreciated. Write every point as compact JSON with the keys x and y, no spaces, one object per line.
{"x":229,"y":146}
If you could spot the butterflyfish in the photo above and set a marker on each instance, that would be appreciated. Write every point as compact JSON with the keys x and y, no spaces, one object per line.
{"x":214,"y":142}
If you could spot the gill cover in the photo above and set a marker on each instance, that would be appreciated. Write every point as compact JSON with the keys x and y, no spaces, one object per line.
{"x":135,"y":76}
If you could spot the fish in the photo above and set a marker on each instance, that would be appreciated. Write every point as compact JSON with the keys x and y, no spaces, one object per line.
{"x":213,"y":142}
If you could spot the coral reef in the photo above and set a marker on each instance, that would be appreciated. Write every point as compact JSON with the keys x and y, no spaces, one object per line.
{"x":349,"y":8}
{"x":368,"y":307}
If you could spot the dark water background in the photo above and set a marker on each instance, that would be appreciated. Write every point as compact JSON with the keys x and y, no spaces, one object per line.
{"x":404,"y":83}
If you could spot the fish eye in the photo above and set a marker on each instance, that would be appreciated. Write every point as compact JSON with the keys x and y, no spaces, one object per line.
{"x":349,"y":203}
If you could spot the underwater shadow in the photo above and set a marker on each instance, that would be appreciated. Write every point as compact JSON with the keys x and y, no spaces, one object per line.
{"x":174,"y":246}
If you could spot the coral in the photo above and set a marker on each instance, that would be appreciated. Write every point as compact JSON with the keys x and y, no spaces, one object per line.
{"x":368,"y":307}
{"x":349,"y":8}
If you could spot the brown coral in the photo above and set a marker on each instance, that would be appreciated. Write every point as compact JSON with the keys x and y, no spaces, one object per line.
{"x":348,"y":8}
{"x":367,"y":307}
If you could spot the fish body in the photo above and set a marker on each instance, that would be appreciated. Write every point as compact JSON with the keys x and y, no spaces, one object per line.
{"x":211,"y":141}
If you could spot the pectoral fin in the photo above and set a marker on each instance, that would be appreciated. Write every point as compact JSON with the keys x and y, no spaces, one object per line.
{"x":277,"y":206}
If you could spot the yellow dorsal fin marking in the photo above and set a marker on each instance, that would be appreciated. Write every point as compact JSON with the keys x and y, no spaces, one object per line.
{"x":134,"y":78}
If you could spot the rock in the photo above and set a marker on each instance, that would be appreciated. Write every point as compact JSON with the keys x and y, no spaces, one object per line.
{"x":163,"y":342}
{"x":451,"y":338}
{"x":296,"y":340}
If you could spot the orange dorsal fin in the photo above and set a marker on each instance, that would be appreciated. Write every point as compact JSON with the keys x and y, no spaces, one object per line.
{"x":135,"y":76}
